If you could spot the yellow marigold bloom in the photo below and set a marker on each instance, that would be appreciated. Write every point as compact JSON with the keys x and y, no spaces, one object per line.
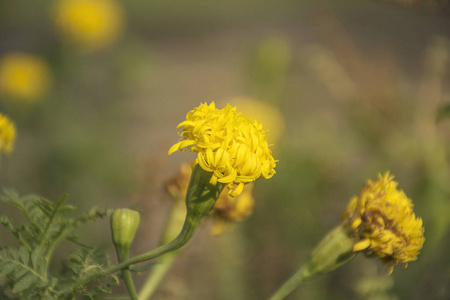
{"x":93,"y":24}
{"x":229,"y":145}
{"x":24,"y":76}
{"x":267,"y":114}
{"x":383,"y":219}
{"x":229,"y":210}
{"x":7,"y":134}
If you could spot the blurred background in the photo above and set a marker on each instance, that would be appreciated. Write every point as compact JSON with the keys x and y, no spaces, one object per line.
{"x":347,"y":89}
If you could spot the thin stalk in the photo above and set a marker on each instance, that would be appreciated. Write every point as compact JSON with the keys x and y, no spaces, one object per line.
{"x":126,"y":274}
{"x":173,"y":225}
{"x":292,"y":283}
{"x":157,"y":275}
{"x":200,"y":199}
{"x":331,"y":253}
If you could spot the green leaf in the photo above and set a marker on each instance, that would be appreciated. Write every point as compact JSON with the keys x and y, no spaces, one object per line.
{"x":10,"y":193}
{"x":20,"y":271}
{"x":24,"y":283}
{"x":13,"y":253}
{"x":36,"y":255}
{"x":24,"y":255}
{"x":4,"y":220}
{"x":41,"y":266}
{"x":7,"y":269}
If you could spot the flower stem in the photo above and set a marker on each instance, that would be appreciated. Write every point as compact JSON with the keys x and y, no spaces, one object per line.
{"x":126,"y":274}
{"x":200,"y":199}
{"x":173,"y":226}
{"x":157,"y":275}
{"x":331,"y":253}
{"x":292,"y":283}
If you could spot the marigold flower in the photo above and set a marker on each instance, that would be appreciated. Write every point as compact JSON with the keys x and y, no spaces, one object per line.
{"x":93,"y":24}
{"x":383,"y":219}
{"x":7,"y":134}
{"x":229,"y":145}
{"x":267,"y":114}
{"x":24,"y":76}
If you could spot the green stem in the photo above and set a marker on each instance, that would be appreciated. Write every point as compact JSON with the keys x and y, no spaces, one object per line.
{"x":158,"y":273}
{"x":126,"y":274}
{"x":331,"y":253}
{"x":173,"y":226}
{"x":200,"y":199}
{"x":292,"y":283}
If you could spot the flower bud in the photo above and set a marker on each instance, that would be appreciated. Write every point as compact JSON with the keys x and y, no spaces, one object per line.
{"x":124,"y":224}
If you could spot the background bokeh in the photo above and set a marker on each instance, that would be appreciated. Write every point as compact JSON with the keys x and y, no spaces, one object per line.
{"x":354,"y":87}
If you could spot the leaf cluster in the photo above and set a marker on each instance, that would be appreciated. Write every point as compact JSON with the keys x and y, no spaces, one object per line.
{"x":24,"y":269}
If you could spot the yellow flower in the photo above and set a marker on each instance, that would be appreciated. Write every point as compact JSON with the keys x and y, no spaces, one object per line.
{"x":93,"y":24}
{"x":229,"y":145}
{"x":24,"y":76}
{"x":7,"y":134}
{"x":383,"y":220}
{"x":267,"y":114}
{"x":229,"y":210}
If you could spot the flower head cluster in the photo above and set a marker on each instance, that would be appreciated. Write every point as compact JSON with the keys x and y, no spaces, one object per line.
{"x":383,"y":220}
{"x":267,"y":114}
{"x":93,"y":24}
{"x":229,"y":145}
{"x":7,"y":134}
{"x":23,"y":76}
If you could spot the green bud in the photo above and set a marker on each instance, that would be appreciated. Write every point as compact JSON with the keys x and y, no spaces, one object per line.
{"x":124,"y":224}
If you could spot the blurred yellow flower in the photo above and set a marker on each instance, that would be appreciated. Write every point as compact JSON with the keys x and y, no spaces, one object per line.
{"x":24,"y":77}
{"x":267,"y":114}
{"x":7,"y":134}
{"x":383,"y":220}
{"x":229,"y":145}
{"x":93,"y":24}
{"x":229,"y":210}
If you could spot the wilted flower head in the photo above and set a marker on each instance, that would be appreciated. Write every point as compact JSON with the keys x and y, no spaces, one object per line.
{"x":7,"y":134}
{"x":93,"y":24}
{"x":23,"y":76}
{"x":229,"y":145}
{"x":382,"y":217}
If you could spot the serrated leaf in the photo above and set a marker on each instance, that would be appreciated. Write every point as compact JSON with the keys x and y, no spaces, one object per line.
{"x":7,"y":269}
{"x":36,"y":255}
{"x":5,"y":252}
{"x":12,"y":194}
{"x":20,"y":271}
{"x":24,"y":255}
{"x":24,"y":283}
{"x":13,"y":253}
{"x":41,"y":266}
